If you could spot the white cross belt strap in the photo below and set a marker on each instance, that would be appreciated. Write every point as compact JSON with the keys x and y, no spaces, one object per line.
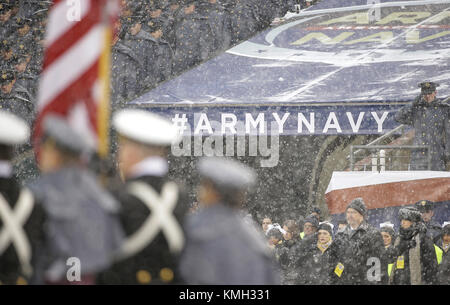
{"x":12,"y":231}
{"x":161,"y":218}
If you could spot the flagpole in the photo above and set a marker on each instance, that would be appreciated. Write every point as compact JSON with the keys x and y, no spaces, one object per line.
{"x":104,"y":106}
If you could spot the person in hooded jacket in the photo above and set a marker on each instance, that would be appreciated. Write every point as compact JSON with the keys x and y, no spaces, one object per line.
{"x":413,"y":253}
{"x":444,"y":266}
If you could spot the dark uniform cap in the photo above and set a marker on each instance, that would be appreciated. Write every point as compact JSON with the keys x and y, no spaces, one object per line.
{"x":315,"y":210}
{"x":358,"y":205}
{"x":428,"y":87}
{"x":424,"y":205}
{"x":64,"y":135}
{"x":312,"y":220}
{"x":326,"y":226}
{"x":226,"y":174}
{"x":6,"y":76}
{"x":410,"y":213}
{"x":4,"y":7}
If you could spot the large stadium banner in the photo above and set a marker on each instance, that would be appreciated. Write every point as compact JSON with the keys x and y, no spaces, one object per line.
{"x":340,"y":67}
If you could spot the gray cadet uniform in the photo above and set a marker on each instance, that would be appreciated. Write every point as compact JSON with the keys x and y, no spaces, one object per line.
{"x":431,"y":122}
{"x":82,"y":219}
{"x":220,"y":247}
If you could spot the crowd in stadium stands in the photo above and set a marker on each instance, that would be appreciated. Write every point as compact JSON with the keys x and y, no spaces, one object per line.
{"x":156,"y":40}
{"x":311,"y":251}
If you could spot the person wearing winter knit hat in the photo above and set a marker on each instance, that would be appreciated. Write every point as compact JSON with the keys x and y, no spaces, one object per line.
{"x":326,"y":226}
{"x":325,"y":236}
{"x":410,"y":214}
{"x":355,"y":213}
{"x":358,"y":243}
{"x":358,"y":205}
{"x":310,"y":226}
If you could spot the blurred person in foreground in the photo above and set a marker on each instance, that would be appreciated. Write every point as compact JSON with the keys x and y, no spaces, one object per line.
{"x":81,"y":217}
{"x":152,"y":205}
{"x":220,"y":247}
{"x":21,"y":218}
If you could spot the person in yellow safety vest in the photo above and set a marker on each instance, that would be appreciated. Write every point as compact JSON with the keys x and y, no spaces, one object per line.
{"x":388,"y":233}
{"x":443,"y":244}
{"x":444,"y":266}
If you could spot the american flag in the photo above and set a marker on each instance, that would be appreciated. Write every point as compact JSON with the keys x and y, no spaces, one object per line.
{"x":74,"y":82}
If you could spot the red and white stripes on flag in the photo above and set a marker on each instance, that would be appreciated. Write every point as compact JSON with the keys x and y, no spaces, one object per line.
{"x":74,"y":82}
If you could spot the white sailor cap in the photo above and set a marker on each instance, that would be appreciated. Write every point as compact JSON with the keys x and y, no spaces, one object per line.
{"x":65,"y":136}
{"x":226,"y":173}
{"x":13,"y":130}
{"x":327,"y":223}
{"x":386,"y":224}
{"x":145,"y":127}
{"x":275,"y":226}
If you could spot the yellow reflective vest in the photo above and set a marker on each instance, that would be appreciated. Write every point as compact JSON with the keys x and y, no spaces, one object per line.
{"x":438,"y":253}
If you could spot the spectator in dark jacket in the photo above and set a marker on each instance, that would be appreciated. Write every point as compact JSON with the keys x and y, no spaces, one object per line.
{"x":318,"y":257}
{"x":444,"y":267}
{"x":359,"y":247}
{"x":426,"y":208}
{"x":413,"y":253}
{"x":291,"y":241}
